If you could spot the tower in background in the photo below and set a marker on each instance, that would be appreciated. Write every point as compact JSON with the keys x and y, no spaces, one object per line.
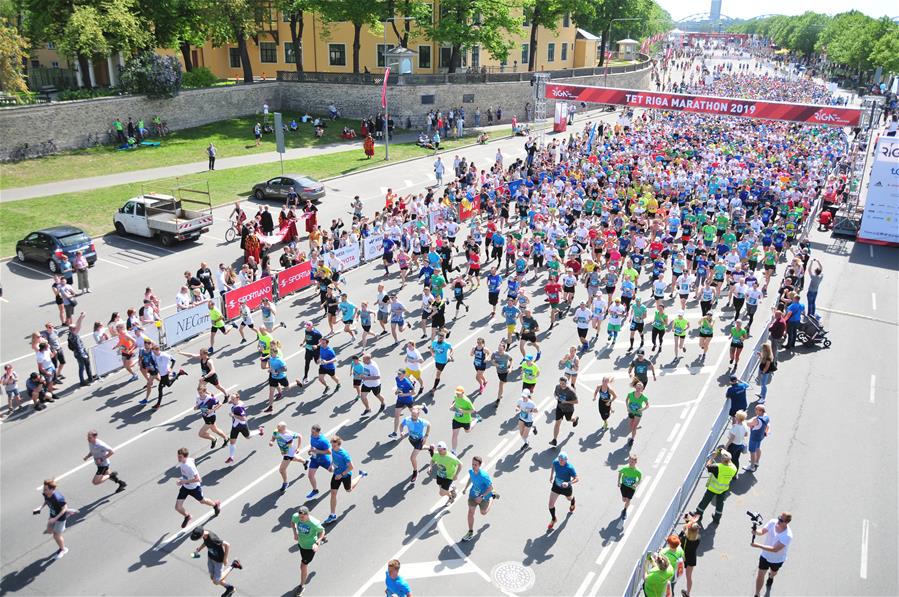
{"x":715,"y":11}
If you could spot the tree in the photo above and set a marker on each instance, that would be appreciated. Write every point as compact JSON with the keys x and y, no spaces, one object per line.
{"x":177,"y":24}
{"x":233,"y":21}
{"x":13,"y":53}
{"x":358,"y":12}
{"x":90,"y":28}
{"x":599,"y":15}
{"x":464,"y":24}
{"x":545,"y":13}
{"x":295,"y":11}
{"x":885,"y":52}
{"x":804,"y":34}
{"x":416,"y":10}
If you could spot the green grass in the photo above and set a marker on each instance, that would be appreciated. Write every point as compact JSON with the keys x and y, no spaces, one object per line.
{"x":231,"y":137}
{"x":93,"y":210}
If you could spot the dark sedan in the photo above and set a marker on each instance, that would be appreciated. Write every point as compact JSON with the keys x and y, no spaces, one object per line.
{"x":278,"y":187}
{"x":47,"y":246}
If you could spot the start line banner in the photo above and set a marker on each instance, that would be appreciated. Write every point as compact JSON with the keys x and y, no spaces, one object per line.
{"x":724,"y":106}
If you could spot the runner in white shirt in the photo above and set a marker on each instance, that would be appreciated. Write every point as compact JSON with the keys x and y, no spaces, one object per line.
{"x":288,"y":443}
{"x":414,"y":361}
{"x":526,"y":409}
{"x":582,"y":317}
{"x":191,"y":484}
{"x":600,"y":308}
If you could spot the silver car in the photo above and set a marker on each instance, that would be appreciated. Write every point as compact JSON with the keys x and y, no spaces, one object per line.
{"x":278,"y":187}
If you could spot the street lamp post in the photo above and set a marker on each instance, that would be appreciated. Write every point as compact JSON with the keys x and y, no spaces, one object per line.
{"x":386,"y":74}
{"x":605,"y":80}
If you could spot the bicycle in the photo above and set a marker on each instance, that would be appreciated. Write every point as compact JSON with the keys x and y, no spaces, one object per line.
{"x":48,"y":147}
{"x":96,"y":139}
{"x":232,"y":233}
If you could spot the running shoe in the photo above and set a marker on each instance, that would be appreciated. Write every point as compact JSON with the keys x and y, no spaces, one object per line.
{"x":575,"y":422}
{"x":414,"y":477}
{"x":142,"y":402}
{"x":551,"y":525}
{"x":312,"y":494}
{"x":539,"y":354}
{"x":228,"y":592}
{"x":552,"y":442}
{"x":572,"y":506}
{"x":392,"y":435}
{"x":431,"y":450}
{"x":452,"y":495}
{"x":424,"y":407}
{"x":261,"y":429}
{"x":363,"y":474}
{"x":624,"y":514}
{"x":283,"y":487}
{"x":534,"y":429}
{"x":62,"y":553}
{"x":133,"y":377}
{"x":305,"y":465}
{"x":365,"y":412}
{"x":122,"y":486}
{"x":185,"y":521}
{"x":299,"y":591}
{"x":468,"y":536}
{"x":217,"y":508}
{"x":237,"y":564}
{"x":331,"y":518}
{"x":212,"y":444}
{"x":229,"y":460}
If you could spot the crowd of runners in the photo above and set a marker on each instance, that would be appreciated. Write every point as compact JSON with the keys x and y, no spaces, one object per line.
{"x":634,"y":236}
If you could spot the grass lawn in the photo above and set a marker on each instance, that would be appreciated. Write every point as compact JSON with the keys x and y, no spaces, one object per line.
{"x":93,"y":210}
{"x":231,"y":137}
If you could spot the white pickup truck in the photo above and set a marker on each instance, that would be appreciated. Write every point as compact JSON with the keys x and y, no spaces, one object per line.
{"x":161,"y":216}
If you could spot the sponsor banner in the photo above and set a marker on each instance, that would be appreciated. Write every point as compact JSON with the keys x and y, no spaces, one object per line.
{"x":186,"y":324}
{"x":373,"y":246}
{"x":435,"y":219}
{"x":106,"y":357}
{"x":294,"y":278}
{"x":880,"y":221}
{"x":252,"y":294}
{"x":747,"y":108}
{"x":344,"y":258}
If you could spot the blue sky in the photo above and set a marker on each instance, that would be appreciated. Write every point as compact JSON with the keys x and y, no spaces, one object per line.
{"x":744,"y":9}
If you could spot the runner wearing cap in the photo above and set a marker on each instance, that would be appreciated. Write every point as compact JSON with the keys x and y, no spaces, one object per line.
{"x":217,"y":558}
{"x":604,"y":395}
{"x":628,"y":479}
{"x":464,"y":415}
{"x":529,"y":373}
{"x":417,"y":430}
{"x":639,"y":368}
{"x":445,"y":466}
{"x":561,"y":478}
{"x":526,"y":409}
{"x":309,"y":534}
{"x":341,"y":474}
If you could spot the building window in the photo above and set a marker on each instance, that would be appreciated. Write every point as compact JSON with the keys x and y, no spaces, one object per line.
{"x":424,"y":56}
{"x":524,"y":53}
{"x":476,"y":57}
{"x":51,"y":45}
{"x":268,"y":52}
{"x":35,"y":63}
{"x":289,"y":56}
{"x":54,"y":64}
{"x":551,"y":52}
{"x":446,"y":55}
{"x":337,"y":54}
{"x":234,"y":57}
{"x":566,"y":20}
{"x":382,"y":62}
{"x":564,"y":51}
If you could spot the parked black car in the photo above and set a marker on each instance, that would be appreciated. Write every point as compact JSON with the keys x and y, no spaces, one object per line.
{"x":48,"y":245}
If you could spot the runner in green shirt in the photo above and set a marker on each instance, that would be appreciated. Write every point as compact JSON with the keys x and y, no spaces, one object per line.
{"x":218,"y":324}
{"x":309,"y":535}
{"x":708,"y":234}
{"x":628,"y":479}
{"x":264,"y":344}
{"x":680,"y":326}
{"x":464,"y":415}
{"x":445,"y":466}
{"x":637,"y":403}
{"x":737,"y":335}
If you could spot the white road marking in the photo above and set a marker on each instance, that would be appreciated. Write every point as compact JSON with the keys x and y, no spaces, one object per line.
{"x":660,"y":372}
{"x":863,"y":569}
{"x":28,"y":267}
{"x":201,"y":519}
{"x":140,"y":435}
{"x":658,"y":459}
{"x":684,"y":412}
{"x":3,"y":299}
{"x":501,"y":445}
{"x":142,"y":243}
{"x":673,"y":432}
{"x":871,"y":396}
{"x":113,"y":263}
{"x":873,"y":302}
{"x":645,"y":498}
{"x":437,"y":568}
{"x":455,"y":547}
{"x":584,"y":584}
{"x":439,"y":512}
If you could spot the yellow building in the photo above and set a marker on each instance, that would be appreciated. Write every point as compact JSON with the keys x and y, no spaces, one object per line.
{"x":329,"y":48}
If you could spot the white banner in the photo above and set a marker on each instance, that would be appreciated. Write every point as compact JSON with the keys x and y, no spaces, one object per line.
{"x":435,"y":219}
{"x":344,"y":258}
{"x":373,"y":246}
{"x":186,"y":324}
{"x":106,"y":358}
{"x":880,"y":221}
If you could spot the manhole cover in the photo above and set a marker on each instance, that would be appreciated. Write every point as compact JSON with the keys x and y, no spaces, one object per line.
{"x":513,"y":577}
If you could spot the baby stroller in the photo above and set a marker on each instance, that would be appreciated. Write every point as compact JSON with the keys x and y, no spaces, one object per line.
{"x":812,"y":332}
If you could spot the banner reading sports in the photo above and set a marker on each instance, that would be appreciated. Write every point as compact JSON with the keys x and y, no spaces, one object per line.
{"x":294,"y":278}
{"x":252,"y":293}
{"x":746,"y":108}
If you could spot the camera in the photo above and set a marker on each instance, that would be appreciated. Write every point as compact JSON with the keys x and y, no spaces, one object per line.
{"x":714,"y":453}
{"x":756,"y":519}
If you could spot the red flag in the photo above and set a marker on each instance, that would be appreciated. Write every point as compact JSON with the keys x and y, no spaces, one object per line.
{"x":384,"y":89}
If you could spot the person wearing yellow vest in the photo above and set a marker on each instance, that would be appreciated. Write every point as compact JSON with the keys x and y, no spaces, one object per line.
{"x":264,"y":344}
{"x":218,"y":324}
{"x":718,"y":485}
{"x":529,"y":373}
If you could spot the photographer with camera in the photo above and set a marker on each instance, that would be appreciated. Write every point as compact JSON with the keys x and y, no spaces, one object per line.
{"x":717,"y":487}
{"x":778,"y":537}
{"x":658,"y":575}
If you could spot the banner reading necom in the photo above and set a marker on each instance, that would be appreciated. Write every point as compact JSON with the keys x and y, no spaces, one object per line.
{"x":746,"y":108}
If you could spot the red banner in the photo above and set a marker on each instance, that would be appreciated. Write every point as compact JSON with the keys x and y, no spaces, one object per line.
{"x":766,"y":110}
{"x":294,"y":278}
{"x":384,"y":87}
{"x":252,"y":294}
{"x":469,"y":209}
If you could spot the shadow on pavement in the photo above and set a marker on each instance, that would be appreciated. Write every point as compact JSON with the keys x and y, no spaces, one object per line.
{"x":537,"y":550}
{"x":17,"y":580}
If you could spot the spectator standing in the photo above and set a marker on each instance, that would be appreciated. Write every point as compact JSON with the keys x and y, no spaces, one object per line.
{"x":794,"y":314}
{"x":81,"y":266}
{"x":814,"y":282}
{"x":736,"y":393}
{"x":758,"y":431}
{"x":257,"y":133}
{"x":79,"y":351}
{"x":778,"y":537}
{"x":777,"y":330}
{"x":119,"y":130}
{"x":718,"y":486}
{"x":131,"y":133}
{"x":767,"y":367}
{"x":690,"y":540}
{"x":211,"y":151}
{"x":66,"y":270}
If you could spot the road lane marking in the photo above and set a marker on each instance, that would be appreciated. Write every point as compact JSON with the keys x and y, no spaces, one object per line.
{"x":140,"y":435}
{"x":437,"y":568}
{"x":454,"y":545}
{"x":201,"y":519}
{"x":858,"y":315}
{"x":673,"y":433}
{"x":863,"y":569}
{"x":584,"y":584}
{"x":28,"y":267}
{"x":500,"y":446}
{"x":873,"y":302}
{"x":138,"y":242}
{"x":641,"y":507}
{"x":660,"y":372}
{"x":873,"y":382}
{"x":113,"y":263}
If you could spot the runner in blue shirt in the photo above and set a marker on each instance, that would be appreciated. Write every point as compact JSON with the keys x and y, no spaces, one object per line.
{"x":510,"y":313}
{"x":319,"y":457}
{"x":277,"y":375}
{"x":494,"y":283}
{"x":396,"y":584}
{"x":405,"y":395}
{"x":561,"y":478}
{"x":417,"y":430}
{"x":443,"y":354}
{"x":347,"y":314}
{"x":327,"y":365}
{"x":341,"y":474}
{"x":481,"y":493}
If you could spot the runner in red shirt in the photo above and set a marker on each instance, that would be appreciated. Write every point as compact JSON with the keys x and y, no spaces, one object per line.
{"x":553,"y":296}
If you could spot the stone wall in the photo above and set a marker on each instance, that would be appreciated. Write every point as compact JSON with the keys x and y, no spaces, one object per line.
{"x":69,"y":123}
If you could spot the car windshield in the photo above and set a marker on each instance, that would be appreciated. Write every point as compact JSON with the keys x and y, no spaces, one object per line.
{"x":73,"y":240}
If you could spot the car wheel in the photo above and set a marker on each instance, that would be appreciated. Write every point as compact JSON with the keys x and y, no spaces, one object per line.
{"x":52,"y":266}
{"x":167,"y":240}
{"x":20,"y":255}
{"x":120,"y":229}
{"x":259,"y":194}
